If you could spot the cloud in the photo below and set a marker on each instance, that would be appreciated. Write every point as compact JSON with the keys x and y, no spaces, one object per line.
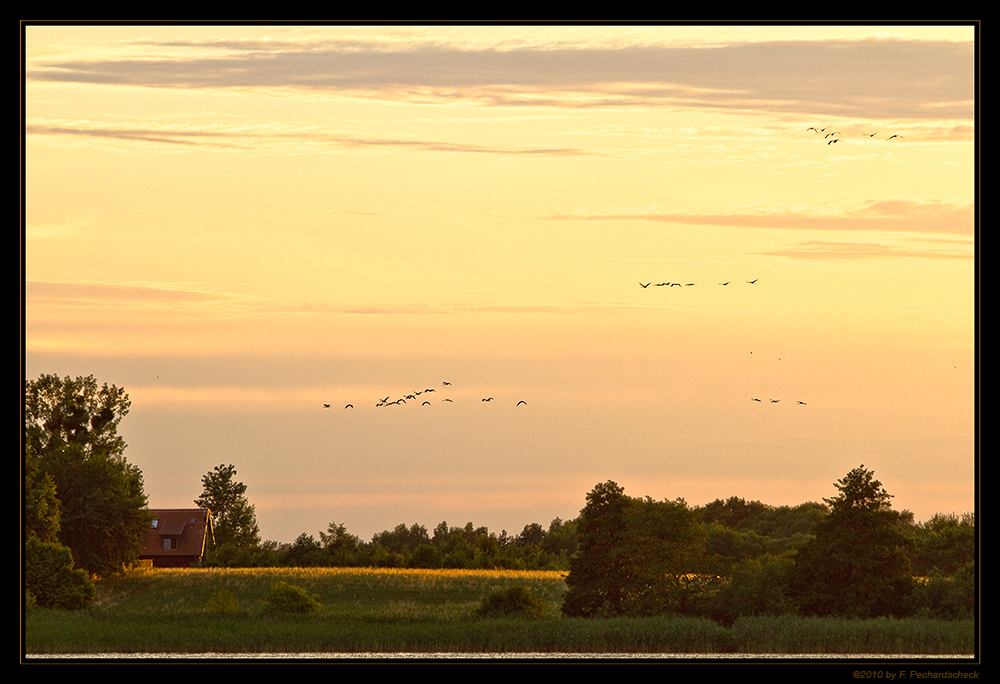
{"x":260,"y":139}
{"x":823,"y":249}
{"x":871,"y":79}
{"x":102,"y":295}
{"x":895,"y":215}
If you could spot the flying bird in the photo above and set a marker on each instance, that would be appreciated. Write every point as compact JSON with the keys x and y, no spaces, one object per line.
{"x":775,"y":401}
{"x":447,"y":400}
{"x":833,"y":141}
{"x":489,"y":399}
{"x":755,"y":399}
{"x":895,"y":136}
{"x":346,"y":407}
{"x":326,"y":406}
{"x":445,"y":383}
{"x":754,"y":281}
{"x":644,"y":286}
{"x":812,"y":128}
{"x":522,"y":402}
{"x":725,"y":283}
{"x":871,"y":135}
{"x":426,"y":403}
{"x":801,"y":402}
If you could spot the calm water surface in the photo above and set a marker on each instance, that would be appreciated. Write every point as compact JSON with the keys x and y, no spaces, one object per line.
{"x":495,"y":656}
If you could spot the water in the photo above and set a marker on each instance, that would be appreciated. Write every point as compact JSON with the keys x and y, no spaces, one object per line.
{"x":497,"y":656}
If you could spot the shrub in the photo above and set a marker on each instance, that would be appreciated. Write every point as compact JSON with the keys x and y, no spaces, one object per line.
{"x":223,"y":602}
{"x":50,"y":578}
{"x":290,"y":598}
{"x":512,"y":602}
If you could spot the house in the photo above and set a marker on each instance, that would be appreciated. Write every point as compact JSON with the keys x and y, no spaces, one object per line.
{"x":178,"y":537}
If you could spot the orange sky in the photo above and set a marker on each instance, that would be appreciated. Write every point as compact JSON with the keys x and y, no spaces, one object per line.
{"x":240,"y":224}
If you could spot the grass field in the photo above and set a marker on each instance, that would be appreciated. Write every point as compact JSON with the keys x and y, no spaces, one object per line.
{"x":425,"y":611}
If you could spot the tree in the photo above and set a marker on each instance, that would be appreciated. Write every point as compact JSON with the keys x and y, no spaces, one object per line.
{"x":233,"y":517}
{"x":70,"y":426}
{"x":857,"y":565}
{"x":631,"y":554}
{"x":341,"y":545}
{"x":50,"y":579}
{"x":600,"y":568}
{"x":41,"y":504}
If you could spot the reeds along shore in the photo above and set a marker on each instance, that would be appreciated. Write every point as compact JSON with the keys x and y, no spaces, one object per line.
{"x":428,"y":611}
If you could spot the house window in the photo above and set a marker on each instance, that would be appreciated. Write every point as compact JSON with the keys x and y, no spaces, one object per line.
{"x":169,"y":543}
{"x":155,"y":523}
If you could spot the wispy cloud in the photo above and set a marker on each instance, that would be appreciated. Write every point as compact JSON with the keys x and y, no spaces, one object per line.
{"x":150,"y":296}
{"x":258,"y":139}
{"x":871,"y":79}
{"x":930,"y":216}
{"x":825,"y":249}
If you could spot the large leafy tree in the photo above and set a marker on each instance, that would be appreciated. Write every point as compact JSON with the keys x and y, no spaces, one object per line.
{"x":50,"y":578}
{"x":71,"y":430}
{"x":631,"y":555}
{"x":233,"y":517}
{"x":857,"y":565}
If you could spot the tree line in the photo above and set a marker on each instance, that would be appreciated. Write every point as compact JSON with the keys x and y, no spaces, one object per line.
{"x":86,"y":515}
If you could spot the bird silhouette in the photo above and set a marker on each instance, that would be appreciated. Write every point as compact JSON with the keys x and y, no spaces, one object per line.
{"x":348,"y":406}
{"x":802,"y":403}
{"x":871,"y":135}
{"x":833,"y":141}
{"x":489,"y":399}
{"x":755,"y":399}
{"x":895,"y":136}
{"x":326,"y":406}
{"x":811,"y":128}
{"x":754,"y":281}
{"x":725,"y":283}
{"x":522,"y":402}
{"x":449,"y":400}
{"x":643,"y":286}
{"x":446,"y":383}
{"x":775,"y":401}
{"x":426,"y":403}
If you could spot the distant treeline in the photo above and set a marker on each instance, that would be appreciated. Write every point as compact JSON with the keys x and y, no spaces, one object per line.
{"x":736,"y":531}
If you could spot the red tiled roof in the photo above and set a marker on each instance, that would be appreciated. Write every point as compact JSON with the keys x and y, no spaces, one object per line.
{"x":187,"y":530}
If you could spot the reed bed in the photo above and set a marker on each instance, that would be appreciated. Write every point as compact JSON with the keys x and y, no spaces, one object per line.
{"x":222,"y":610}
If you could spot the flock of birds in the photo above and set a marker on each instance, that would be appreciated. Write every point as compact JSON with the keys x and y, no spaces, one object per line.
{"x":420,"y":395}
{"x":415,"y":396}
{"x":832,"y":138}
{"x":749,"y":282}
{"x":669,"y":284}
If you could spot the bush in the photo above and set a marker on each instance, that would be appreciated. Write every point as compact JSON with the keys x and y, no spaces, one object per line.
{"x":946,"y":598}
{"x":222,"y":602}
{"x":512,"y":602}
{"x":290,"y":598}
{"x":51,"y":581}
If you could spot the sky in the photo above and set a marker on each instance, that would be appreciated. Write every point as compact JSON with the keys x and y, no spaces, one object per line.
{"x":636,"y":231}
